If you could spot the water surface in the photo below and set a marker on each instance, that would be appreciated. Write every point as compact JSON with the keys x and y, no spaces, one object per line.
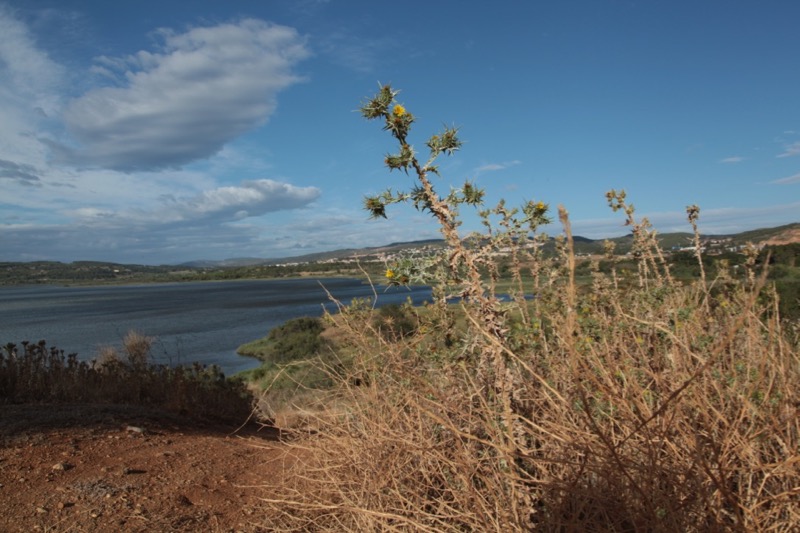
{"x":197,"y":321}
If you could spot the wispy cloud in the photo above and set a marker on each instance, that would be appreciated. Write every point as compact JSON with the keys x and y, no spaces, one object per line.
{"x":787,"y":180}
{"x":723,"y":220}
{"x":22,"y":174}
{"x":184,"y":102}
{"x":493,"y":167}
{"x":733,"y":159}
{"x":355,"y":53}
{"x":790,"y":150}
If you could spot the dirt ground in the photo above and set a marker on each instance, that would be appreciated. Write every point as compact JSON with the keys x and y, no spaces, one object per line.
{"x":121,"y":469}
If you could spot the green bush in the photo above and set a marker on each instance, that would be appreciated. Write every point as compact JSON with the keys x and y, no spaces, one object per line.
{"x":296,"y":339}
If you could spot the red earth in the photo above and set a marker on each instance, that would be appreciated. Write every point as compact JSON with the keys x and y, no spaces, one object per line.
{"x":116,"y":468}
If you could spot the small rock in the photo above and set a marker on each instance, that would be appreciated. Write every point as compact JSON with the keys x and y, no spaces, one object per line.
{"x":135,"y":429}
{"x":61,"y":467}
{"x":41,"y":510}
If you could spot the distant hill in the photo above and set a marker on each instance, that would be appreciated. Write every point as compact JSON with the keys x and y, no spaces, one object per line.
{"x":342,"y":253}
{"x":97,"y":271}
{"x":779,"y":235}
{"x":583,"y":245}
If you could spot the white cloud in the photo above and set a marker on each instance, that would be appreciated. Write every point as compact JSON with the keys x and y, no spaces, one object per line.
{"x":251,"y":199}
{"x":30,"y":76}
{"x":787,"y":180}
{"x":723,"y":220}
{"x":734,"y":159}
{"x":206,"y":225}
{"x":184,"y":102}
{"x":222,"y":204}
{"x":791,"y":150}
{"x":492,"y":167}
{"x":30,"y":83}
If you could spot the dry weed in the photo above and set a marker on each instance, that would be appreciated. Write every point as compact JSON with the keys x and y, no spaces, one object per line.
{"x":649,"y":406}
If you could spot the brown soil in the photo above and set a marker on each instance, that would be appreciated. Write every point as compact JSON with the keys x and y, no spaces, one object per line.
{"x":787,"y":237}
{"x":114,"y":468}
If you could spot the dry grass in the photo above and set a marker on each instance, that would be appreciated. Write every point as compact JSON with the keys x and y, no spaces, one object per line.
{"x":654,"y":414}
{"x":640,"y":405}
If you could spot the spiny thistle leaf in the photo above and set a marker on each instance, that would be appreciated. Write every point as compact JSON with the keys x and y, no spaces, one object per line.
{"x":375,"y":206}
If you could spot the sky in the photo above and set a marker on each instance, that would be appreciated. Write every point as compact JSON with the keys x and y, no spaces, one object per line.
{"x":164,"y":132}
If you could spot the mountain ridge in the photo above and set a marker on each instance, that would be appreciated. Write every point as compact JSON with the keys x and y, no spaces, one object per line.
{"x":784,"y":234}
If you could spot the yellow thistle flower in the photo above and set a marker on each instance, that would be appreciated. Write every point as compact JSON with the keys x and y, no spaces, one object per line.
{"x":399,"y":110}
{"x":389,"y":273}
{"x":540,"y":206}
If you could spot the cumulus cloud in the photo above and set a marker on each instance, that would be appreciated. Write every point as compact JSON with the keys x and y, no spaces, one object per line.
{"x":253,"y":198}
{"x":183,"y":102}
{"x":222,"y":204}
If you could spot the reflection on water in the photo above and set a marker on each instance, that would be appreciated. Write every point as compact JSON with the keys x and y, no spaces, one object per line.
{"x":204,"y":321}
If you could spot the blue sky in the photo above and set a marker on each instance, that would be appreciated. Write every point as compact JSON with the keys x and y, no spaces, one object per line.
{"x":162,"y":132}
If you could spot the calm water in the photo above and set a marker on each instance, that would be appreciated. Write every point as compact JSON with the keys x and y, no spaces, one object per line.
{"x":202,"y":322}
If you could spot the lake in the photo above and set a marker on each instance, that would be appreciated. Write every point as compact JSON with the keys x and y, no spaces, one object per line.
{"x":193,"y":321}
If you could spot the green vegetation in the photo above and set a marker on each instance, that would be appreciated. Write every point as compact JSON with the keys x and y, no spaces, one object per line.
{"x":87,"y":272}
{"x":297,"y":362}
{"x":298,"y":338}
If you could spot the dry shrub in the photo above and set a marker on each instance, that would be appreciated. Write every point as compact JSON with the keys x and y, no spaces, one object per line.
{"x":36,"y":373}
{"x":630,"y":405}
{"x":137,"y":348}
{"x":656,"y":416}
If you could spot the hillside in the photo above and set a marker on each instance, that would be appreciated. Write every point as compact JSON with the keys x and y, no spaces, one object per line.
{"x":335,"y":262}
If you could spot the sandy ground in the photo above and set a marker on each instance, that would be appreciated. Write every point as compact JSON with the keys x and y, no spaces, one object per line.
{"x":113,"y":468}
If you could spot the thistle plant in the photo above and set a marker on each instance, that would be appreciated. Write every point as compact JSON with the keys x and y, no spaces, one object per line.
{"x":467,"y":261}
{"x":646,"y":249}
{"x":466,"y":265}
